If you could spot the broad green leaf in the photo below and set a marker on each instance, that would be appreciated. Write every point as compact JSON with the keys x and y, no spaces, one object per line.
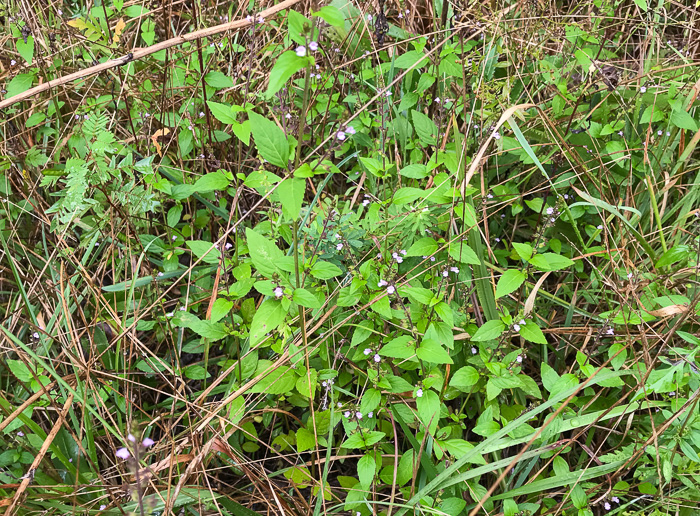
{"x":674,"y":254}
{"x":220,"y":309}
{"x":680,"y":118}
{"x":208,"y":329}
{"x":306,"y":440}
{"x":550,"y":262}
{"x":307,"y":382}
{"x":414,"y":171}
{"x":35,"y":119}
{"x":218,"y":80}
{"x":400,"y":347}
{"x":462,"y":253}
{"x":222,"y":112}
{"x":305,"y":298}
{"x":423,"y":247}
{"x":425,"y":128}
{"x":370,"y":401}
{"x":211,"y":182}
{"x":269,"y":140}
{"x":431,"y":351}
{"x":407,"y":194}
{"x":204,"y":250}
{"x":465,"y":378}
{"x":26,"y":50}
{"x":531,"y":332}
{"x":264,"y":253}
{"x":509,"y":282}
{"x":325,"y":270}
{"x":242,"y":131}
{"x":363,"y":439}
{"x":366,"y":468}
{"x":291,"y":194}
{"x":524,"y":250}
{"x":332,"y":15}
{"x":428,"y":406}
{"x":19,"y":84}
{"x":196,"y":372}
{"x":286,"y":65}
{"x":277,"y":380}
{"x":490,"y":330}
{"x":266,"y":320}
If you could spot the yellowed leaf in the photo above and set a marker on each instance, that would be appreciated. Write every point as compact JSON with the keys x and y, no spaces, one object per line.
{"x":118,"y":29}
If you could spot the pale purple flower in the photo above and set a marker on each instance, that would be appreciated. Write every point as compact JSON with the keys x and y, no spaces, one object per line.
{"x":550,"y":210}
{"x":174,"y":237}
{"x":123,"y":453}
{"x":103,"y":507}
{"x":621,"y":133}
{"x":288,"y":116}
{"x":522,"y":322}
{"x":370,"y":414}
{"x":445,"y":273}
{"x":607,"y":506}
{"x":20,"y":434}
{"x":437,"y":99}
{"x":600,"y":226}
{"x":474,"y":351}
{"x":169,"y":314}
{"x":403,"y":252}
{"x":369,"y":17}
{"x":496,"y":135}
{"x":643,"y":89}
{"x":390,"y":289}
{"x":358,"y":415}
{"x":350,"y":130}
{"x":615,"y":499}
{"x":382,"y":283}
{"x":516,"y":327}
{"x":489,"y":196}
{"x":347,"y":413}
{"x":519,"y":359}
{"x":301,"y":51}
{"x":201,"y":114}
{"x":377,"y":358}
{"x":339,"y":246}
{"x":147,"y":442}
{"x":659,"y":132}
{"x":610,"y":331}
{"x":455,"y":270}
{"x":13,"y":62}
{"x":367,"y":351}
{"x":35,"y":334}
{"x":131,"y":438}
{"x":365,"y":202}
{"x":228,"y":245}
{"x":279,"y":291}
{"x":340,"y":135}
{"x":249,"y":19}
{"x":160,"y":274}
{"x":419,"y":393}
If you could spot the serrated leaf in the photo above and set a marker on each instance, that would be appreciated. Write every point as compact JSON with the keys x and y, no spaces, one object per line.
{"x":431,"y":351}
{"x":509,"y":282}
{"x":211,"y":182}
{"x":264,"y":253}
{"x":269,"y":140}
{"x":423,"y":247}
{"x":407,"y":194}
{"x":490,"y":330}
{"x":305,"y":298}
{"x":222,"y":112}
{"x":325,"y":270}
{"x":680,"y":118}
{"x":414,"y":171}
{"x":266,"y":319}
{"x":465,"y":378}
{"x":286,"y":65}
{"x":550,"y":262}
{"x":363,"y":439}
{"x":425,"y":128}
{"x":204,"y":250}
{"x":291,"y":194}
{"x":531,"y":332}
{"x":400,"y":347}
{"x":218,"y":80}
{"x":462,"y":253}
{"x":366,"y":468}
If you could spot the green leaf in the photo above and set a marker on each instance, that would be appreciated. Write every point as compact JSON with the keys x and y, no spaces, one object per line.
{"x":414,"y":171}
{"x":370,"y":400}
{"x":400,"y":347}
{"x":306,"y":440}
{"x":674,"y":254}
{"x":366,"y":468}
{"x":407,"y":194}
{"x":428,"y":406}
{"x":291,"y":194}
{"x":204,"y":250}
{"x":196,"y":372}
{"x":242,"y":131}
{"x":211,"y":182}
{"x":264,"y":253}
{"x":332,"y":15}
{"x":222,"y":112}
{"x":531,"y":332}
{"x":462,"y":253}
{"x":680,"y":118}
{"x":306,"y":383}
{"x":509,"y":282}
{"x":266,"y":319}
{"x":286,"y":65}
{"x":490,"y":330}
{"x":35,"y":119}
{"x":220,"y":309}
{"x":465,"y":378}
{"x":524,"y":250}
{"x":19,"y":84}
{"x":325,"y":270}
{"x":423,"y":247}
{"x":277,"y":380}
{"x":550,"y":262}
{"x":642,"y":4}
{"x":431,"y":351}
{"x":363,"y":439}
{"x":218,"y":80}
{"x":208,"y":329}
{"x":26,"y":50}
{"x":269,"y":140}
{"x":305,"y":298}
{"x":425,"y":128}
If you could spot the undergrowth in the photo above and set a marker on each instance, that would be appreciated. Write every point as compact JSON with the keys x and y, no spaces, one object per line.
{"x":349,"y":258}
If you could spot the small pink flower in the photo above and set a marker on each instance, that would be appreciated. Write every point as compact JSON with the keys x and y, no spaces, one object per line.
{"x":390,"y":289}
{"x":340,"y":135}
{"x":300,"y":50}
{"x":123,"y":453}
{"x":367,"y":351}
{"x":377,"y":358}
{"x":148,"y":442}
{"x":313,"y":46}
{"x":279,"y":291}
{"x":419,"y":393}
{"x":350,"y":130}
